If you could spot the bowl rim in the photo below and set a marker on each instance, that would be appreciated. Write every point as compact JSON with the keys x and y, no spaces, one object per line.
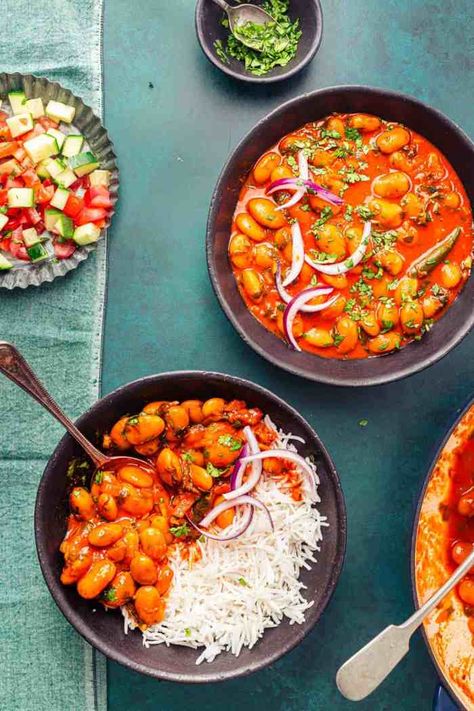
{"x":115,"y":653}
{"x":453,"y":422}
{"x":268,"y":78}
{"x":418,"y":363}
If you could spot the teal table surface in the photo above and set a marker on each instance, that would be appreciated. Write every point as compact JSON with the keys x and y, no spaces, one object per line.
{"x":174,"y":119}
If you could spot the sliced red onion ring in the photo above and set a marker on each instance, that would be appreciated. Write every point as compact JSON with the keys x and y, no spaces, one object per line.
{"x":295,"y":305}
{"x":303,"y":165}
{"x":239,"y":468}
{"x":225,"y":505}
{"x":254,"y":477}
{"x":297,"y":255}
{"x":324,"y":194}
{"x":289,"y":456}
{"x":287,"y":297}
{"x":347,"y":264}
{"x":247,"y":517}
{"x":300,"y":187}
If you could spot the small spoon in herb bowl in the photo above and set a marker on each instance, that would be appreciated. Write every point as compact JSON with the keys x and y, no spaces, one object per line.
{"x":247,"y":23}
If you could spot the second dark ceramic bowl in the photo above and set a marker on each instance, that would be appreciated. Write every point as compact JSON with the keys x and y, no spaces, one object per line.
{"x":209,"y":29}
{"x":446,"y":135}
{"x":104,"y":630}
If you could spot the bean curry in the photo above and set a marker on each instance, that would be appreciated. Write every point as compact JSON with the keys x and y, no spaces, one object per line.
{"x":418,"y":254}
{"x":122,"y":530}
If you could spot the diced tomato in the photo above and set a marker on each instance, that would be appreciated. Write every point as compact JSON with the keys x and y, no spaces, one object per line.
{"x":43,"y":193}
{"x":33,"y":215}
{"x":73,"y":206}
{"x":14,"y":183}
{"x":10,"y":167}
{"x":47,"y":122}
{"x":5,"y":133}
{"x":98,"y":196}
{"x":5,"y":244}
{"x":90,"y":214}
{"x":3,"y":116}
{"x":3,"y":178}
{"x":30,"y":178}
{"x":3,"y":196}
{"x":79,"y":183}
{"x":8,"y":148}
{"x":63,"y":250}
{"x":17,"y":246}
{"x":101,"y":224}
{"x":20,"y":154}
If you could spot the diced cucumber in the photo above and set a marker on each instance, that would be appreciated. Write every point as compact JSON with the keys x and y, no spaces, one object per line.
{"x":100,"y":177}
{"x":60,"y":198}
{"x":42,"y":169}
{"x":21,"y":197}
{"x":55,"y":166}
{"x":58,"y":135}
{"x":66,"y":178}
{"x":72,"y":145}
{"x":4,"y":264}
{"x":83,"y":163}
{"x":41,"y":147}
{"x":17,"y":101}
{"x":86,"y":234}
{"x":37,"y":252}
{"x":60,"y":112}
{"x":30,"y":237}
{"x":3,"y":221}
{"x":35,"y":107}
{"x":64,"y":226}
{"x":50,"y":218}
{"x":20,"y":124}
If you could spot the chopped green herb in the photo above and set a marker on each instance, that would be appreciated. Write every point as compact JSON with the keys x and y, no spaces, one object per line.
{"x":363,"y":423}
{"x":99,"y":477}
{"x":314,"y":280}
{"x":187,"y":632}
{"x":180,"y":531}
{"x":275,"y":43}
{"x":330,"y":134}
{"x":244,"y":583}
{"x":110,"y":595}
{"x":348,"y":213}
{"x":228,"y":441}
{"x":352,"y":134}
{"x":187,"y":456}
{"x":326,"y":214}
{"x":281,"y":307}
{"x":214,"y":471}
{"x":364,"y":212}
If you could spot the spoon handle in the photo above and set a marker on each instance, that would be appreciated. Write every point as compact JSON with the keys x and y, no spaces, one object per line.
{"x":364,"y":671}
{"x":224,"y":5}
{"x":15,"y":367}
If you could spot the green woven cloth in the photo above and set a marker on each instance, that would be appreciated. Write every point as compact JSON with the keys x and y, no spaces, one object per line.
{"x":45,"y":664}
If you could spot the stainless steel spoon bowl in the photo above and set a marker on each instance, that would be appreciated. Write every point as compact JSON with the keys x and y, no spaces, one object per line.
{"x":15,"y":367}
{"x":240,"y":16}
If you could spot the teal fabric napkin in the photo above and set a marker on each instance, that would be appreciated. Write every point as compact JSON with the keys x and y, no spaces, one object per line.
{"x":45,"y":664}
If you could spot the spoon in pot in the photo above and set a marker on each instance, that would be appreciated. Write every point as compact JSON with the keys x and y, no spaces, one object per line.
{"x":363,"y":672}
{"x":15,"y":367}
{"x":242,"y":14}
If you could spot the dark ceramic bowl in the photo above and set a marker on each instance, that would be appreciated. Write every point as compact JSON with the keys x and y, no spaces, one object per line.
{"x":429,"y":122}
{"x":105,"y":630}
{"x":209,"y":29}
{"x":442,"y":701}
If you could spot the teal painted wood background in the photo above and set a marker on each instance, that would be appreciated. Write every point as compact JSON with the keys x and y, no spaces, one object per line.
{"x":172,"y":140}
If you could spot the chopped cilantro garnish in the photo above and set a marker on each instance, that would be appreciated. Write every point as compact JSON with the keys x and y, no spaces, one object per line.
{"x":363,"y":423}
{"x":326,"y":214}
{"x":228,"y":441}
{"x":330,"y":134}
{"x":187,"y":456}
{"x":348,"y":213}
{"x":364,"y":212}
{"x":110,"y":595}
{"x":275,"y":43}
{"x":187,"y":632}
{"x":180,"y":531}
{"x":244,"y":583}
{"x":214,"y":471}
{"x":352,"y":134}
{"x":99,"y":477}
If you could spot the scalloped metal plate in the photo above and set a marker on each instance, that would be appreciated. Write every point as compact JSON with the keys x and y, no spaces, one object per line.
{"x":96,"y":136}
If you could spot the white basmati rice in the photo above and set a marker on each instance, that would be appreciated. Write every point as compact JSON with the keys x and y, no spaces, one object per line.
{"x":239,"y":588}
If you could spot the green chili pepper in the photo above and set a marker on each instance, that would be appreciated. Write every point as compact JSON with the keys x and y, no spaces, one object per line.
{"x":425,"y":264}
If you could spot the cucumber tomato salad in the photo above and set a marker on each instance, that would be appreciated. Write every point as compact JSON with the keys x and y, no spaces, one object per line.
{"x":54,"y":197}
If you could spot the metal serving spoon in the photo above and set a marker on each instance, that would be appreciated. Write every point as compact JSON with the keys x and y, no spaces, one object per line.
{"x":15,"y":367}
{"x":363,"y":672}
{"x":242,"y":14}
